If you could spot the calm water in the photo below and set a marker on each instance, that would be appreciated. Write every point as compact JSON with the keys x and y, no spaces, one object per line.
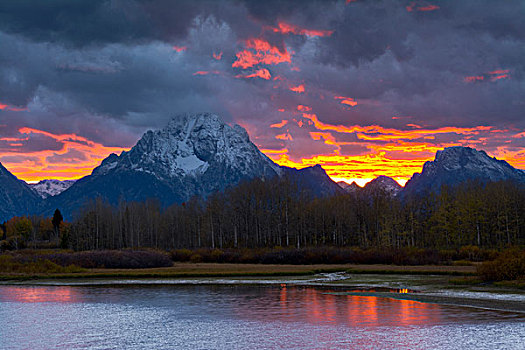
{"x":241,"y":317}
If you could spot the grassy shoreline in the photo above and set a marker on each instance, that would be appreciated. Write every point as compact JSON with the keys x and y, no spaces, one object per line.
{"x":185,"y":270}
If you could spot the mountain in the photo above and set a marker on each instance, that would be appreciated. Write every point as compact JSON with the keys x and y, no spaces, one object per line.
{"x":383,"y":184}
{"x":194,"y":155}
{"x":50,"y":188}
{"x":349,"y":188}
{"x":16,"y":198}
{"x":313,"y":180}
{"x":455,"y":165}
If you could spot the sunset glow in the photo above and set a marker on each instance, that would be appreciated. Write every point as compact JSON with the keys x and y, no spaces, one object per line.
{"x":286,"y":28}
{"x":74,"y":157}
{"x":260,"y":51}
{"x":392,"y":152}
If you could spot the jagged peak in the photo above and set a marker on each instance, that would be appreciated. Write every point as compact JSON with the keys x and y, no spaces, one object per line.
{"x":383,"y":179}
{"x":185,"y":120}
{"x":383,"y":183}
{"x":349,"y":187}
{"x":454,"y":152}
{"x":456,"y":157}
{"x":318,"y":169}
{"x":188,"y":145}
{"x":457,"y":164}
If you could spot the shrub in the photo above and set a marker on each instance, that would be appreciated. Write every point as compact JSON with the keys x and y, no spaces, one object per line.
{"x":313,"y":255}
{"x":123,"y":259}
{"x":196,"y":258}
{"x":9,"y":264}
{"x":181,"y":255}
{"x":508,"y":266}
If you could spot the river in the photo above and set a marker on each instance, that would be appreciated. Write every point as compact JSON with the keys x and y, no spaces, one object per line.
{"x":243,"y":316}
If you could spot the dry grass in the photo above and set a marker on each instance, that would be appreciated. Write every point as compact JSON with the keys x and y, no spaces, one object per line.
{"x":179,"y":270}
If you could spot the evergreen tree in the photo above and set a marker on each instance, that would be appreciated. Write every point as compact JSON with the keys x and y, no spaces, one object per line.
{"x":57,"y":220}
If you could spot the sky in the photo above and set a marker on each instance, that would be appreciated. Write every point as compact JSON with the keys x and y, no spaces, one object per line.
{"x":363,"y":88}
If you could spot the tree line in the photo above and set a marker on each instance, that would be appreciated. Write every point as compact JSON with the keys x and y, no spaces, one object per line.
{"x":275,"y":213}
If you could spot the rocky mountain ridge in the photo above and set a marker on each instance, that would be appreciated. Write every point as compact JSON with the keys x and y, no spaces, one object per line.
{"x":454,"y":165}
{"x":51,"y":187}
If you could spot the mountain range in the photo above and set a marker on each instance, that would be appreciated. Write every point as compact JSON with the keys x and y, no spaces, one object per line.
{"x":455,"y":165}
{"x":51,"y":187}
{"x":199,"y":154}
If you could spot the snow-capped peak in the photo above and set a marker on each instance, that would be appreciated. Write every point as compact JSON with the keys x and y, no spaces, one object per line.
{"x":188,"y":146}
{"x":50,"y":188}
{"x":472,"y":161}
{"x":454,"y":165}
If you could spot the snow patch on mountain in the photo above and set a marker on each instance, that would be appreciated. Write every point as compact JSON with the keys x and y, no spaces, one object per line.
{"x":189,"y":146}
{"x":454,"y":165}
{"x":50,"y":188}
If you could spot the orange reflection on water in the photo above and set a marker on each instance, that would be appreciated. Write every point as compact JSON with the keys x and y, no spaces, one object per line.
{"x":318,"y":306}
{"x":38,"y":294}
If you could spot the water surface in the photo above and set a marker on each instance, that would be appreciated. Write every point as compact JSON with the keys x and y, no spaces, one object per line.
{"x":241,"y":317}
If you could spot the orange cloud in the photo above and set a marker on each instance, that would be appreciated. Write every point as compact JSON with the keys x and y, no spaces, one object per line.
{"x":473,"y":78}
{"x":493,"y":76}
{"x":179,"y":48}
{"x":428,"y":8}
{"x":376,"y":132}
{"x":413,"y":6}
{"x":286,"y":28}
{"x":498,"y":77}
{"x":285,"y":136}
{"x":328,"y":138}
{"x":304,"y":108}
{"x":205,"y":72}
{"x":279,"y":125}
{"x":261,"y":73}
{"x":217,"y":56}
{"x":274,"y":151}
{"x":37,"y":165}
{"x":299,"y":89}
{"x":260,"y":51}
{"x":346,"y":100}
{"x":499,"y":71}
{"x":6,"y":107}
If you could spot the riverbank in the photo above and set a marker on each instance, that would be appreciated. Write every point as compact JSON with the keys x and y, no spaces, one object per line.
{"x":181,"y":270}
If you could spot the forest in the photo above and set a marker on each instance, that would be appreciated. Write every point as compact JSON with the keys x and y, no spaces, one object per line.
{"x":275,"y":213}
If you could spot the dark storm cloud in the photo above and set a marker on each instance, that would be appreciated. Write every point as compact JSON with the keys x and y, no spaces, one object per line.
{"x":366,"y":30}
{"x":108,"y":70}
{"x":81,"y":23}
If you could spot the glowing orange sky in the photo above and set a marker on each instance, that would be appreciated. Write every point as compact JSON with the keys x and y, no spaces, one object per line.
{"x":402,"y":155}
{"x":391,"y":152}
{"x":38,"y":165}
